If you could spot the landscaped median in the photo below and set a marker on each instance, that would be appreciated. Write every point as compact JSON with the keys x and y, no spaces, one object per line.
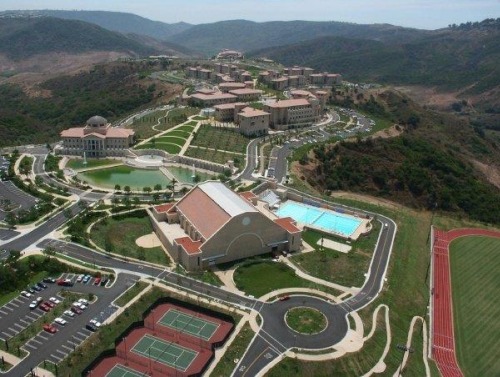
{"x":306,"y":320}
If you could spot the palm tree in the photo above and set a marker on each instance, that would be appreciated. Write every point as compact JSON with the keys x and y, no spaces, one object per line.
{"x":172,"y":186}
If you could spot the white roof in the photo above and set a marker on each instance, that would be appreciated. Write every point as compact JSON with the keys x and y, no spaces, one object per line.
{"x":227,"y":199}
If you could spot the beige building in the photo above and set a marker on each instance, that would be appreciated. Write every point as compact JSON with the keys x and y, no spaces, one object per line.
{"x":96,"y":139}
{"x":246,"y":94}
{"x":225,"y":87}
{"x":252,"y":122}
{"x":208,"y":100}
{"x":227,"y":111}
{"x":212,"y":224}
{"x":293,"y":113}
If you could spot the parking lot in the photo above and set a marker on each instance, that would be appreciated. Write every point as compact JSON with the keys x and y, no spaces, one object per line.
{"x":16,"y":198}
{"x":16,"y":315}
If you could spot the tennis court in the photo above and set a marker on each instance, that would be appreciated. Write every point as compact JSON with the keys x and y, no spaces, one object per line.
{"x":165,"y":352}
{"x":186,"y":323}
{"x":122,"y":371}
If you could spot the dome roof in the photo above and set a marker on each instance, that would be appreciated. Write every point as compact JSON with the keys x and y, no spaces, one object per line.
{"x":97,"y":120}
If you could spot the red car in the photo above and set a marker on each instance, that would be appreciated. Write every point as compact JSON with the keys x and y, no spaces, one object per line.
{"x":97,"y":281}
{"x":44,"y":307}
{"x":76,"y":310}
{"x":50,"y":304}
{"x":49,"y":328}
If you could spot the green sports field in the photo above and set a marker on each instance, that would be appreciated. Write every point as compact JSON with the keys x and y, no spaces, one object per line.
{"x":189,"y":324}
{"x":475,"y":266}
{"x":165,"y":352}
{"x":122,"y":371}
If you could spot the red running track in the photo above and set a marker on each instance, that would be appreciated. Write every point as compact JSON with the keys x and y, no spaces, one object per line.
{"x":443,"y":341}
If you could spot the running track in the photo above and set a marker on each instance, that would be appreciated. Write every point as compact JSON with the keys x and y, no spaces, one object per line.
{"x":443,"y":341}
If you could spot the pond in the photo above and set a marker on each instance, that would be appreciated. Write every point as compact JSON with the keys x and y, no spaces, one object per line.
{"x":137,"y":178}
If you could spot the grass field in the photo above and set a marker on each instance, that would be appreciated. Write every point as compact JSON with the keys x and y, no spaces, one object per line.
{"x":220,"y":139}
{"x":331,"y":265}
{"x":118,"y":236}
{"x":167,"y":147}
{"x":130,"y":293}
{"x":260,"y":278}
{"x":306,"y":320}
{"x":217,"y":156}
{"x":475,"y":263}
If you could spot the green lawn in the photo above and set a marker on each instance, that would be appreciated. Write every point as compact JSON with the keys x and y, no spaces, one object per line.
{"x":171,"y":139}
{"x":167,"y":147}
{"x":306,"y":320}
{"x":221,"y":139}
{"x":219,"y":157}
{"x":260,"y":278}
{"x":179,"y":133}
{"x":185,"y":128}
{"x":130,"y":293}
{"x":91,"y":163}
{"x":345,"y":269}
{"x":475,"y":263}
{"x":119,"y":235}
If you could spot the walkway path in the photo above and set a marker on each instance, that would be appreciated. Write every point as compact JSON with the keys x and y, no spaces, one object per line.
{"x":442,"y":336}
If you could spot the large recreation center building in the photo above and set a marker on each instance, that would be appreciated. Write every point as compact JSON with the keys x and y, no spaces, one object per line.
{"x":212,"y":224}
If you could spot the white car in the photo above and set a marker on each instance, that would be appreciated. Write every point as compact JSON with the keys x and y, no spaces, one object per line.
{"x":95,"y":322}
{"x":79,"y":305}
{"x":55,"y":300}
{"x":69,"y":313}
{"x":33,"y":305}
{"x":83,"y":301}
{"x":79,"y":278}
{"x":60,"y":321}
{"x":26,"y":294}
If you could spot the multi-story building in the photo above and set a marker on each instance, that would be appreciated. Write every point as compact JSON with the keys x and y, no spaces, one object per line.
{"x":96,"y":139}
{"x":293,"y":113}
{"x":227,"y":111}
{"x":246,"y":94}
{"x":225,"y":87}
{"x":280,"y":83}
{"x":208,"y":100}
{"x":252,"y":122}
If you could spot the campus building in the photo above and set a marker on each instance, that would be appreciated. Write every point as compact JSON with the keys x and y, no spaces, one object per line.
{"x":293,"y":112}
{"x":249,"y":121}
{"x":212,"y":224}
{"x":96,"y":139}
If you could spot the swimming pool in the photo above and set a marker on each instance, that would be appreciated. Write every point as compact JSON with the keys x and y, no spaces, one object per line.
{"x":319,"y":218}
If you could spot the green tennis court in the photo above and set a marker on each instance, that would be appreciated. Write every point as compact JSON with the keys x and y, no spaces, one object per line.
{"x":122,"y":371}
{"x":164,"y":352}
{"x":186,"y":323}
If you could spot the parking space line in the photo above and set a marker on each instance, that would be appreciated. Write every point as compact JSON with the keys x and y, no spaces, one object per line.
{"x":55,"y":358}
{"x":62,"y":353}
{"x":18,"y":300}
{"x":36,"y":341}
{"x":82,"y":334}
{"x":29,"y":316}
{"x":8,"y":308}
{"x":1,"y":311}
{"x":7,"y":334}
{"x":13,"y":330}
{"x":14,"y":304}
{"x":67,"y":348}
{"x":41,"y":336}
{"x":24,"y":321}
{"x":19,"y":326}
{"x":31,"y":346}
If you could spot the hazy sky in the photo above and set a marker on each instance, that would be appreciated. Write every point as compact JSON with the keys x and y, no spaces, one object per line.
{"x":425,"y":14}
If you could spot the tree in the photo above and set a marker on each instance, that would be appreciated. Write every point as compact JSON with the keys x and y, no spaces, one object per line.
{"x":173,"y":182}
{"x":157,"y":187}
{"x":146,"y":189}
{"x":126,"y":189}
{"x":136,"y":201}
{"x":115,"y":201}
{"x":156,"y":196}
{"x":117,"y":187}
{"x":49,"y":251}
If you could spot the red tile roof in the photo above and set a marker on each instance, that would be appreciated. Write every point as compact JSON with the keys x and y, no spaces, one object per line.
{"x":202,"y":212}
{"x":288,"y":224}
{"x":189,"y":246}
{"x":163,"y":207}
{"x":248,"y":195}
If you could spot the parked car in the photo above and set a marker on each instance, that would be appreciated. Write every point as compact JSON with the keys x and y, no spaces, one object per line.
{"x":49,"y":304}
{"x":49,"y":328}
{"x":54,"y":300}
{"x":86,"y":279}
{"x":83,"y":301}
{"x":41,"y":285}
{"x":31,"y":290}
{"x":79,"y":305}
{"x":95,"y":322}
{"x":76,"y":310}
{"x":69,"y":313}
{"x":65,"y":282}
{"x":26,"y":294}
{"x":79,"y":278}
{"x":60,"y":321}
{"x":44,"y":307}
{"x":91,"y":327}
{"x":36,"y":288}
{"x":49,"y":280}
{"x":97,"y":281}
{"x":104,"y":281}
{"x":33,"y":305}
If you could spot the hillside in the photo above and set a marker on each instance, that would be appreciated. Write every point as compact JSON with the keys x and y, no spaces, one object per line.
{"x":433,"y":164}
{"x":116,"y":21}
{"x":22,"y":38}
{"x":247,"y":35}
{"x":456,"y":59}
{"x":112,"y":91}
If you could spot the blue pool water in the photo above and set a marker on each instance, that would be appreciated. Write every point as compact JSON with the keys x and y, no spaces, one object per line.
{"x":319,"y":218}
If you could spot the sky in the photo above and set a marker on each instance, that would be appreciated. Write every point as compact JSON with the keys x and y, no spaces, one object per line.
{"x":423,"y":14}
